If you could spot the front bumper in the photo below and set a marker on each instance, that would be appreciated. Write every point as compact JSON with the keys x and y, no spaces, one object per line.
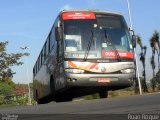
{"x":83,"y":80}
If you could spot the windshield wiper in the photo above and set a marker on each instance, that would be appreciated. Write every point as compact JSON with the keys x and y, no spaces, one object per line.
{"x":88,"y":47}
{"x":108,"y":39}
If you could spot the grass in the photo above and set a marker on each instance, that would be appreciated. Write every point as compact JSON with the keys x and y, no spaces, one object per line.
{"x":7,"y":105}
{"x":93,"y":96}
{"x":111,"y":94}
{"x":120,"y":93}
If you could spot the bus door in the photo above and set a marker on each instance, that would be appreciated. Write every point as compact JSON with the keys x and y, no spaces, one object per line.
{"x":60,"y":82}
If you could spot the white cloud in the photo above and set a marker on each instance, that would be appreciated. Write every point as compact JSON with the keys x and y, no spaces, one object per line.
{"x":66,"y":7}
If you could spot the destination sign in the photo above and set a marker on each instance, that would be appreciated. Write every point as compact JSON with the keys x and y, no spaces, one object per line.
{"x":78,"y":15}
{"x":113,"y":54}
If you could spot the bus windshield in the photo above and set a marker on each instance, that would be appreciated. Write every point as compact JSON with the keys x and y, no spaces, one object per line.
{"x":100,"y":31}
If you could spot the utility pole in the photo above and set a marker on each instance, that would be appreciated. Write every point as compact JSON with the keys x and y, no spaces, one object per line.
{"x":135,"y":56}
{"x":26,"y":62}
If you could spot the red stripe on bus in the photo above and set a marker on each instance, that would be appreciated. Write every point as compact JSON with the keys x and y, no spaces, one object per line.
{"x":112,"y":54}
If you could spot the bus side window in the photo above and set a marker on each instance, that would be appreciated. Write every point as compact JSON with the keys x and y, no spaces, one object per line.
{"x":52,"y":39}
{"x":42,"y":57}
{"x":49,"y":42}
{"x":37,"y":67}
{"x":48,"y":45}
{"x":44,"y":51}
{"x":47,"y":51}
{"x":39,"y":64}
{"x":59,"y":47}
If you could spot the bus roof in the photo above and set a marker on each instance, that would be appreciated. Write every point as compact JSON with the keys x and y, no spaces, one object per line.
{"x":95,"y":11}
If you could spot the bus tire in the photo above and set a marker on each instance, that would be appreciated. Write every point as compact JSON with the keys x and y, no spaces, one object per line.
{"x":40,"y":101}
{"x":44,"y":100}
{"x":63,"y":98}
{"x":37,"y":99}
{"x":52,"y":87}
{"x":103,"y":94}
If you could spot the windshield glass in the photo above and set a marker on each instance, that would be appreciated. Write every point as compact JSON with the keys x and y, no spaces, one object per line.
{"x":105,"y":29}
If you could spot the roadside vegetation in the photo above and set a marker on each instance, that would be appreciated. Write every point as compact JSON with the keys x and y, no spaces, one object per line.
{"x":12,"y":94}
{"x":8,"y":95}
{"x":155,"y":49}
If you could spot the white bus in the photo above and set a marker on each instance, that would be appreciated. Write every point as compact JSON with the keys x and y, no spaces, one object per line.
{"x":86,"y":52}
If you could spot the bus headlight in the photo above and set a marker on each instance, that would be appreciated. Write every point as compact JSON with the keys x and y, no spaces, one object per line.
{"x":125,"y":71}
{"x":74,"y":70}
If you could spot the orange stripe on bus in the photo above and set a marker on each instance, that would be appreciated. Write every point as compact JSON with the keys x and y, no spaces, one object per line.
{"x":72,"y":64}
{"x":94,"y":65}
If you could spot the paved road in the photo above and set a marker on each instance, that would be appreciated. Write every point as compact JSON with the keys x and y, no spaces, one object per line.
{"x":99,"y":108}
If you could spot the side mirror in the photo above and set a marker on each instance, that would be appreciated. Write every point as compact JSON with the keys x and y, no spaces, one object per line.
{"x":134,"y":41}
{"x":58,"y":33}
{"x":133,"y":37}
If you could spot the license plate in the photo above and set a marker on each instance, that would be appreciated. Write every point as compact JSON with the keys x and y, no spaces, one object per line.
{"x":104,"y":80}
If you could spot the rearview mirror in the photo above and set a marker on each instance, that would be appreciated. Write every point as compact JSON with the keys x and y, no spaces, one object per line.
{"x":134,"y":41}
{"x":133,"y":37}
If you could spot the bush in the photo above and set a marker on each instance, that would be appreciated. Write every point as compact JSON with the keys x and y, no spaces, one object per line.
{"x":1,"y":99}
{"x":93,"y":96}
{"x":22,"y":100}
{"x":88,"y":97}
{"x":113,"y":94}
{"x":5,"y":89}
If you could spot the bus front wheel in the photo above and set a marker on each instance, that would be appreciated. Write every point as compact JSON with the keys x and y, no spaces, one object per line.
{"x":52,"y":87}
{"x":42,"y":100}
{"x":103,"y":94}
{"x":63,"y":98}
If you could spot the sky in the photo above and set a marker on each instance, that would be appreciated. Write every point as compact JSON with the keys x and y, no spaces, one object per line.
{"x":28,"y":22}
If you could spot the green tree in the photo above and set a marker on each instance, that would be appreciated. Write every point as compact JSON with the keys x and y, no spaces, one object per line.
{"x":7,"y":61}
{"x":152,"y":61}
{"x":142,"y":59}
{"x":5,"y":89}
{"x":156,"y":44}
